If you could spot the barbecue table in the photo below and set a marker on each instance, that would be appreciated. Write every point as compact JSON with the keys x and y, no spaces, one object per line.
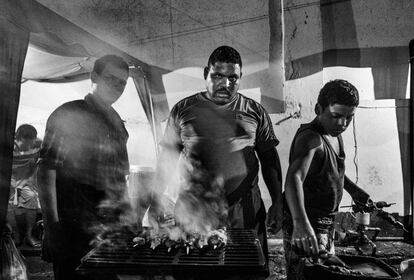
{"x":242,"y":255}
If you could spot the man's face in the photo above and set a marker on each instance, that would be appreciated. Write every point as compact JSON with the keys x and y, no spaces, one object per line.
{"x":336,"y":118}
{"x":222,"y":82}
{"x":111,"y":83}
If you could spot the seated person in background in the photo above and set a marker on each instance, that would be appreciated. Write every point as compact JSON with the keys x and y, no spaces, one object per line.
{"x":316,"y":177}
{"x":24,"y":191}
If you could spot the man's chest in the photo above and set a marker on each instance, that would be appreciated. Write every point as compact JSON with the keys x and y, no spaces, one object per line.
{"x":218,"y":127}
{"x":334,"y":144}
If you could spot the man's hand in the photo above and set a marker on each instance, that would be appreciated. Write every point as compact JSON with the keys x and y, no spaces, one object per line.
{"x":304,"y":239}
{"x":359,"y":196}
{"x":366,"y":206}
{"x":274,"y":218}
{"x":155,"y":212}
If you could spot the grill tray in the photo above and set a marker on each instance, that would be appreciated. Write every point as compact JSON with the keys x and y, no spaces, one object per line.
{"x":241,"y":255}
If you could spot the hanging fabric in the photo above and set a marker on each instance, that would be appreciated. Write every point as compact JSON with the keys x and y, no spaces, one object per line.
{"x":13,"y":47}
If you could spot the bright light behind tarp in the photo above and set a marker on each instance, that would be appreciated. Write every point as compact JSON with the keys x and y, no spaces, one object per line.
{"x":43,"y":65}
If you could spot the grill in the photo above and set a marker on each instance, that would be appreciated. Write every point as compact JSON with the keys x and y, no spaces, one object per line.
{"x":242,"y":255}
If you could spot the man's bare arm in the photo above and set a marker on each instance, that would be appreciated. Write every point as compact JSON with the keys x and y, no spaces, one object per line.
{"x":303,"y":236}
{"x":295,"y":177}
{"x":272,"y":175}
{"x":359,"y":196}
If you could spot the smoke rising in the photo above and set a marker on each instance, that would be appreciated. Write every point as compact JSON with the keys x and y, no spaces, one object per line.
{"x":197,"y":178}
{"x":201,"y":205}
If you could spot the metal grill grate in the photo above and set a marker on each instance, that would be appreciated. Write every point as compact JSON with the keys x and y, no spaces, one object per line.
{"x":241,"y":255}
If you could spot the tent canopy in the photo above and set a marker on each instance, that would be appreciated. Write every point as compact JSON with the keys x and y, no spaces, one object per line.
{"x":167,"y":40}
{"x":53,"y":34}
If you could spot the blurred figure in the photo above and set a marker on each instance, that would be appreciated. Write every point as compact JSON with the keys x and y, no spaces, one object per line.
{"x":83,"y":168}
{"x":216,"y":139}
{"x":24,"y":197}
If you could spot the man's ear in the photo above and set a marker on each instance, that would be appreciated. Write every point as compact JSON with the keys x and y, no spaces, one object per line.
{"x":206,"y":70}
{"x":94,"y":76}
{"x":318,"y":109}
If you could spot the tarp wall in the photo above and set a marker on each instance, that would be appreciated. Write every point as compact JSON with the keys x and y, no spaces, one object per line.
{"x":177,"y":35}
{"x":371,"y":35}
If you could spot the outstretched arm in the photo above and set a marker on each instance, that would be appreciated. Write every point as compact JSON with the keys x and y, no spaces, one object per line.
{"x":272,"y":175}
{"x":303,"y":237}
{"x":359,"y":196}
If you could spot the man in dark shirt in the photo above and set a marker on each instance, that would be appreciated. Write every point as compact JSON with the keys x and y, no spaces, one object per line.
{"x":215,"y":139}
{"x":316,"y":176}
{"x":83,"y":164}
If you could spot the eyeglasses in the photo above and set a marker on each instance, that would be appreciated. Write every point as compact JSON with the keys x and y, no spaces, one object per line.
{"x":113,"y":79}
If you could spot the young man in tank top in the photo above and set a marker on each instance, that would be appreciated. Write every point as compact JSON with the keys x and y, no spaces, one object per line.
{"x":316,"y":177}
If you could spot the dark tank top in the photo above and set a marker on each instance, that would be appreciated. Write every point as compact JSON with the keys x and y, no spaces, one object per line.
{"x":323,"y":186}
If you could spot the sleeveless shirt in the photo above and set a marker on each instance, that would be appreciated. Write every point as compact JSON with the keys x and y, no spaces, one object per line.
{"x":323,"y":186}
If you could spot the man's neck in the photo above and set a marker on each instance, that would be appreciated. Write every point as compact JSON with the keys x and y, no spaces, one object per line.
{"x":99,"y":100}
{"x":333,"y":140}
{"x":204,"y":94}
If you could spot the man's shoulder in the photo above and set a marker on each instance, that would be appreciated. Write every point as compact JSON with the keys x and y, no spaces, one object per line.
{"x":247,"y":102}
{"x":75,"y":105}
{"x":186,"y":103}
{"x":244,"y":98}
{"x":189,"y":99}
{"x":308,"y":138}
{"x":70,"y":111}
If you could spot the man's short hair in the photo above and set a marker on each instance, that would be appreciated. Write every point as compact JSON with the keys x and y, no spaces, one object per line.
{"x":338,"y":92}
{"x":225,"y":54}
{"x":115,"y":60}
{"x":26,"y":131}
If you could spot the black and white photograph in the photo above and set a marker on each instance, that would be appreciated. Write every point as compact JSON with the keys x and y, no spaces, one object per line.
{"x":201,"y":139}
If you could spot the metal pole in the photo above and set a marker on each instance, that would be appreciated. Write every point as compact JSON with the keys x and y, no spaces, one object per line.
{"x":154,"y":125}
{"x":409,"y":220}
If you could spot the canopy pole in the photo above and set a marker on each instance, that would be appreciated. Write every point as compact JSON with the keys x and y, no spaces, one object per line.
{"x":409,"y":222}
{"x":144,"y":94}
{"x":153,"y":126}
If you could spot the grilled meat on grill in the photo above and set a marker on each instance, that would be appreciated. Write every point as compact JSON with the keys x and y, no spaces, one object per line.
{"x":217,"y":238}
{"x":155,"y":242}
{"x":214,"y":239}
{"x":139,"y":241}
{"x":171,"y":244}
